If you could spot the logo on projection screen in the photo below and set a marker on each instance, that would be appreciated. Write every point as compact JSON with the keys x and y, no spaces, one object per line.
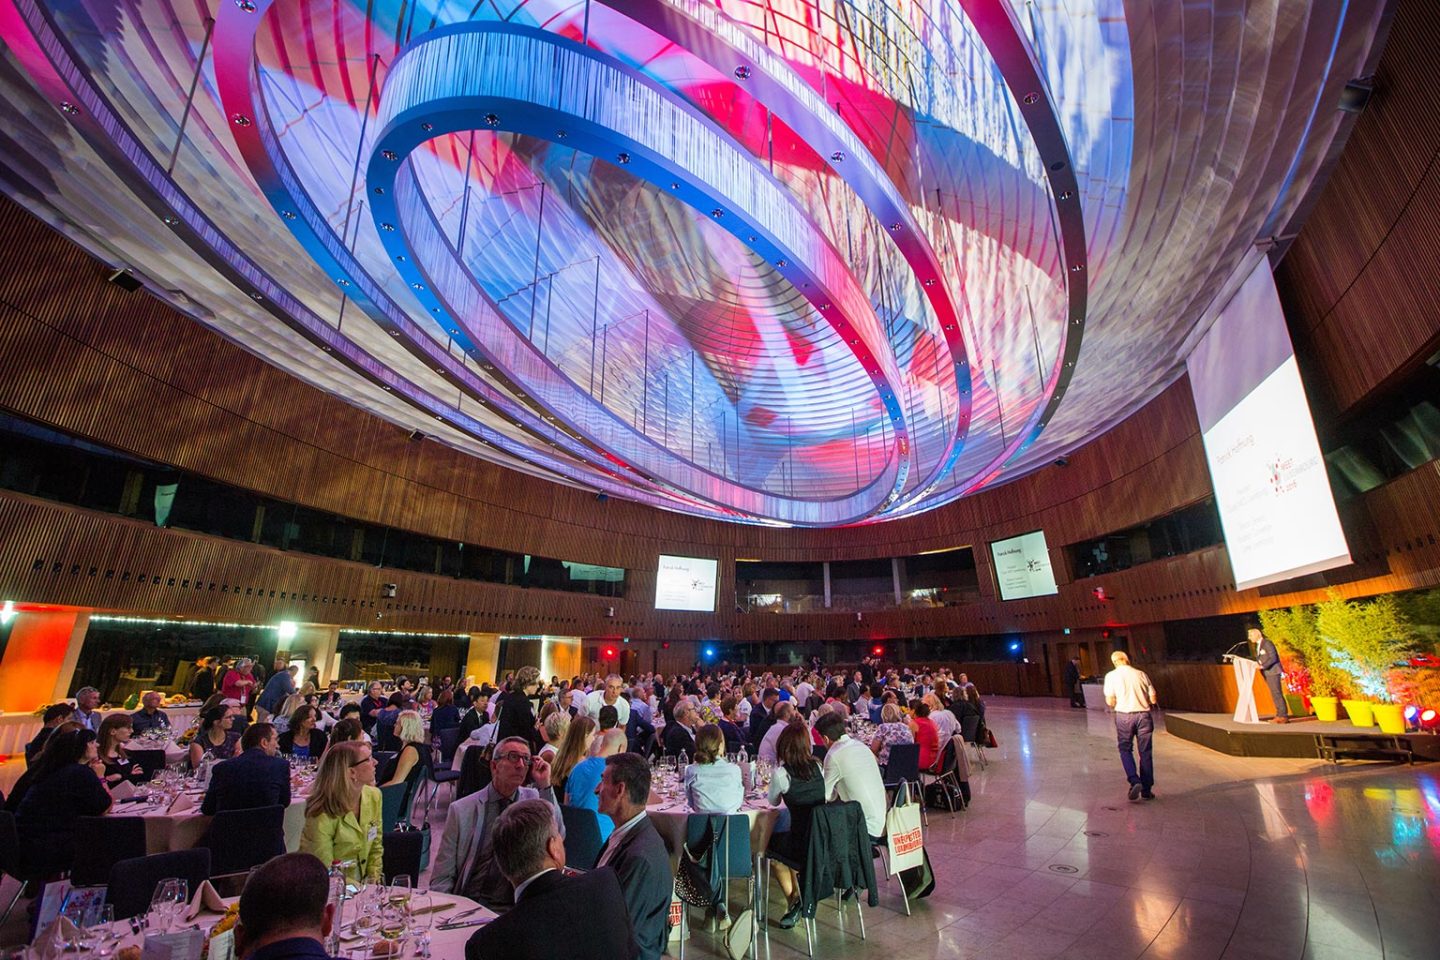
{"x":685,"y":583}
{"x":1271,"y":487}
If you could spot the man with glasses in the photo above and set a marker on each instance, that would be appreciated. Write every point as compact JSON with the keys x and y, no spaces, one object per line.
{"x":465,"y":862}
{"x":608,"y":696}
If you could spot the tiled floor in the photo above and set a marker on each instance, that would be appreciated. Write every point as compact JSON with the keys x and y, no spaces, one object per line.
{"x":1240,"y":859}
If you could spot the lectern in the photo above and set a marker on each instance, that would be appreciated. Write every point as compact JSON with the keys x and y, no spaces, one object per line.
{"x":1245,"y":709}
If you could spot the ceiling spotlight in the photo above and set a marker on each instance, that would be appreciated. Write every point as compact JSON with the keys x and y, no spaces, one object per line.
{"x":400,"y":258}
{"x":751,"y":239}
{"x":246,"y":6}
{"x":824,"y":306}
{"x":1077,"y":268}
{"x":288,"y":214}
{"x":326,"y":348}
{"x":717,"y":213}
{"x":1057,"y":166}
{"x":239,"y":119}
{"x":342,"y":281}
{"x":837,"y":156}
{"x":256,"y":296}
{"x":491,"y":120}
{"x":929,"y":281}
{"x":388,"y":227}
{"x":742,"y":72}
{"x":379,"y":191}
{"x":622,"y":158}
{"x":70,"y":110}
{"x":418,"y":286}
{"x":782,"y":263}
{"x":1066,"y":194}
{"x":394,"y":333}
{"x":1031,"y":98}
{"x":894,"y":228}
{"x":427,"y":127}
{"x":674,"y":186}
{"x":390,"y":155}
{"x":169,"y":221}
{"x":561,"y":134}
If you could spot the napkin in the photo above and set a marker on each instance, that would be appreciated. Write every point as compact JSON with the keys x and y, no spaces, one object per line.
{"x":54,"y":940}
{"x":207,"y":899}
{"x":183,"y":804}
{"x":123,"y":790}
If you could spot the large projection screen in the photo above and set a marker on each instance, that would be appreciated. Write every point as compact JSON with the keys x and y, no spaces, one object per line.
{"x":1269,"y":476}
{"x":685,"y":583}
{"x":1022,"y":567}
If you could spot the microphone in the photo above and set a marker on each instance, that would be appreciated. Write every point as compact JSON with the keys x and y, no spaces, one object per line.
{"x":1229,"y":655}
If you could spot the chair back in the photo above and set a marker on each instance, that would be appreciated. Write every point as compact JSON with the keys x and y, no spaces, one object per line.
{"x":946,"y":762}
{"x":449,"y":743}
{"x":132,"y":882}
{"x":240,"y":840}
{"x":903,"y":765}
{"x":100,"y":843}
{"x":149,"y":761}
{"x":727,"y":840}
{"x":474,"y":772}
{"x":970,"y":728}
{"x":384,"y":734}
{"x":582,"y":837}
{"x":404,"y":851}
{"x":9,"y":844}
{"x":392,"y":802}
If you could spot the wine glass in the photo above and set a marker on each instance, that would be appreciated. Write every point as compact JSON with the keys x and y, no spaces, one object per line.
{"x":101,"y":930}
{"x":398,"y":894}
{"x":167,"y":904}
{"x":422,"y":917}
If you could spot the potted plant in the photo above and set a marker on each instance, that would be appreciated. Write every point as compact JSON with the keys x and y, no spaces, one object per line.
{"x":1368,"y":639}
{"x":1293,"y":631}
{"x":1415,"y":685}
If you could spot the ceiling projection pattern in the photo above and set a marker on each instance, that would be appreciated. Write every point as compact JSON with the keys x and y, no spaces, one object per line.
{"x":798,"y":262}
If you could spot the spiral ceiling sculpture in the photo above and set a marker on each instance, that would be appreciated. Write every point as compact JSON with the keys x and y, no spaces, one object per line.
{"x":787,"y":262}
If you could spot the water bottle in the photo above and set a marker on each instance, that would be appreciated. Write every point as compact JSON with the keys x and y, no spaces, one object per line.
{"x":203,"y":775}
{"x":337,"y":900}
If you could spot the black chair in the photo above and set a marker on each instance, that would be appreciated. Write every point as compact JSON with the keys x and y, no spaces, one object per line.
{"x":148,"y":760}
{"x":582,"y":837}
{"x":970,"y":731}
{"x":443,"y":771}
{"x":132,"y":882}
{"x":946,"y":776}
{"x":240,"y":840}
{"x":383,"y":759}
{"x":10,"y":860}
{"x":392,"y":803}
{"x":474,"y":773}
{"x":100,"y":843}
{"x":404,"y":850}
{"x":902,"y":770}
{"x":729,"y":857}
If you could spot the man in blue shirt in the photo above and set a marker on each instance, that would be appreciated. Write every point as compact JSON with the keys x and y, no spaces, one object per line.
{"x":87,"y":702}
{"x":149,"y":716}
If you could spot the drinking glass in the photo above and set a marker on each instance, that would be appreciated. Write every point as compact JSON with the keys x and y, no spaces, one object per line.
{"x":101,"y":930}
{"x":168,"y":903}
{"x":422,"y":918}
{"x":400,"y":889}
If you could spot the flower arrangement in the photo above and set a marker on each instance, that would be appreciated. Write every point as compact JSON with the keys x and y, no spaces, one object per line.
{"x":227,"y":922}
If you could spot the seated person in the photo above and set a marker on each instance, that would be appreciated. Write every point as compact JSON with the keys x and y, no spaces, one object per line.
{"x":579,"y":737}
{"x":342,"y":815}
{"x":784,"y":713}
{"x":216,"y":738}
{"x":636,"y":852}
{"x":729,"y":724}
{"x":115,"y":730}
{"x":926,"y":734}
{"x":446,"y":715}
{"x":285,"y":911}
{"x":409,"y":764}
{"x":892,"y":730}
{"x":383,"y":732}
{"x":799,"y":781}
{"x":530,"y":853}
{"x":55,"y":714}
{"x":580,"y":785}
{"x":345,"y":731}
{"x":712,"y":783}
{"x":17,"y":793}
{"x":149,"y":716}
{"x":609,"y":718}
{"x":852,"y":773}
{"x":302,"y":737}
{"x":465,"y":862}
{"x":66,"y":784}
{"x":351,"y":711}
{"x":680,"y":735}
{"x":255,"y":778}
{"x":331,"y":699}
{"x":552,"y":732}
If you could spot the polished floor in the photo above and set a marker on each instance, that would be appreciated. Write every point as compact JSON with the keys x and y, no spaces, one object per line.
{"x":1237,"y":859}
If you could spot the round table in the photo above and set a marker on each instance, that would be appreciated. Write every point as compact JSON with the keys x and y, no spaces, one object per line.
{"x":181,"y":825}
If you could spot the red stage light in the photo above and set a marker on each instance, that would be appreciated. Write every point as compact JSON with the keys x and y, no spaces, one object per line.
{"x":609,"y":652}
{"x":877,"y":650}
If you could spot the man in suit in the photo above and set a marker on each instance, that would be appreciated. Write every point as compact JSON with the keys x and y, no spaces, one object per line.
{"x":285,"y":910}
{"x":585,"y":912}
{"x":1269,"y":659}
{"x":761,"y":717}
{"x":1071,"y":682}
{"x":636,"y":851}
{"x":255,"y":778}
{"x":466,"y":863}
{"x":680,"y":735}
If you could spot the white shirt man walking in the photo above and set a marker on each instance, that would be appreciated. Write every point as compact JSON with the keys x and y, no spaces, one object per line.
{"x":1131,"y":695}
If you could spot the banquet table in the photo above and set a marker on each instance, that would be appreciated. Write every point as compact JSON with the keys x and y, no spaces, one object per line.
{"x":444,"y":944}
{"x":181,"y":825}
{"x":670,"y":817}
{"x":19,"y":728}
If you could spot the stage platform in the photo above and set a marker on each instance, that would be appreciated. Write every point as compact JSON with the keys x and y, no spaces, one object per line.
{"x":1304,"y":738}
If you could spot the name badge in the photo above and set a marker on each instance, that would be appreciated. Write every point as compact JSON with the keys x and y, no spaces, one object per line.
{"x":372,"y":833}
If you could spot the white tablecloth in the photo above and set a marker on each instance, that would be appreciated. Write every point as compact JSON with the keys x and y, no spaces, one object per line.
{"x":18,"y":729}
{"x":182,"y":826}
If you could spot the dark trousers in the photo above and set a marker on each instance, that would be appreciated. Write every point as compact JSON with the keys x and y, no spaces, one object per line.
{"x":1277,"y":691}
{"x":1136,"y":729}
{"x":1077,"y":695}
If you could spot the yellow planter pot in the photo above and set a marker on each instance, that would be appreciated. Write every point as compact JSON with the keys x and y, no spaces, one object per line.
{"x":1390,"y":717}
{"x":1326,"y":708}
{"x":1361,"y":712}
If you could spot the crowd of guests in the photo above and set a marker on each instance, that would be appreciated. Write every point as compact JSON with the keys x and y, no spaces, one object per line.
{"x":585,"y":743}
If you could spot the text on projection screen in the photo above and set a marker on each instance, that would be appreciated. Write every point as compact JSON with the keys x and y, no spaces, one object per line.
{"x":1266,"y":467}
{"x":685,"y":583}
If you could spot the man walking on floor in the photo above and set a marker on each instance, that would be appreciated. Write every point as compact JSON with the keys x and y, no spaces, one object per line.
{"x":1131,"y":695}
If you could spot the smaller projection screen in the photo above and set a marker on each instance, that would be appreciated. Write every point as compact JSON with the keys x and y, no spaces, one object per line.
{"x":1265,"y":463}
{"x":685,"y":583}
{"x":1022,"y":567}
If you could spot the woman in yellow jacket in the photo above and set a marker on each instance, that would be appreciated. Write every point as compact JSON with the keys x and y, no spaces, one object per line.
{"x":342,"y":815}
